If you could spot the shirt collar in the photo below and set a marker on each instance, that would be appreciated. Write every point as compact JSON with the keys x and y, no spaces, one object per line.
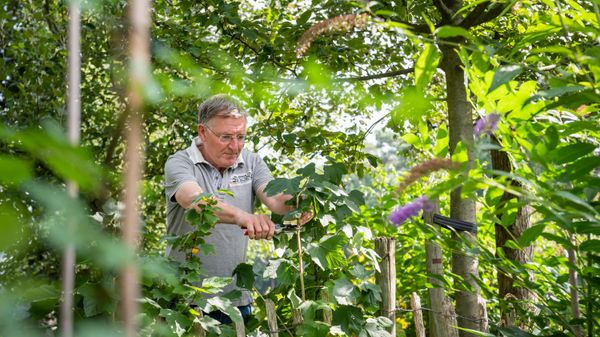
{"x":196,"y":156}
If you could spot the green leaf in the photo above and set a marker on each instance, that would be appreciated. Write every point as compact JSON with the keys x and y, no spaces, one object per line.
{"x":307,"y":171}
{"x":555,"y":92}
{"x":426,"y":66}
{"x":531,"y":234}
{"x":283,"y":185}
{"x":12,"y":230}
{"x":411,"y":139}
{"x":225,"y":305}
{"x":294,"y":299}
{"x":334,"y":172}
{"x":504,"y":75}
{"x":350,"y":318}
{"x":576,"y":200}
{"x":344,"y":292}
{"x":311,"y":328}
{"x":452,"y":31}
{"x":215,"y":284}
{"x":414,"y":104}
{"x":571,"y":152}
{"x":14,"y":171}
{"x":591,"y":245}
{"x":328,"y":252}
{"x":245,"y":276}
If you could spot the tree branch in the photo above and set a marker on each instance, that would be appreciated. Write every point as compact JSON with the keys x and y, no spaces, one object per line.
{"x":444,"y":10}
{"x":493,"y":12}
{"x":423,"y":29}
{"x":474,"y":15}
{"x":375,"y":76}
{"x":254,"y":49}
{"x":48,"y":17}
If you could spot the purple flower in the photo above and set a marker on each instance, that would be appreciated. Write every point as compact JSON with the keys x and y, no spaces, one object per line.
{"x":486,"y":124}
{"x":401,"y":214}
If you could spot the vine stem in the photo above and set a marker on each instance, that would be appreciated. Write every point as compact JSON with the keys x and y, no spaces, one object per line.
{"x":299,"y":242}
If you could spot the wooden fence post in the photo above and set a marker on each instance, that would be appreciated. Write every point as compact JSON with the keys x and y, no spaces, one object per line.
{"x":415,"y":303}
{"x":386,"y":248}
{"x":271,"y":318}
{"x":442,"y":318}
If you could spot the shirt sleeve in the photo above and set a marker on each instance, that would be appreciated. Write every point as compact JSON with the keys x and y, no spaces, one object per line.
{"x":262,"y":175}
{"x":178,"y":170}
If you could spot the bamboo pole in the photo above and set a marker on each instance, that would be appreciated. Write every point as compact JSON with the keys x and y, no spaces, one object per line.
{"x":386,"y":278}
{"x":139,"y":44}
{"x":73,"y":133}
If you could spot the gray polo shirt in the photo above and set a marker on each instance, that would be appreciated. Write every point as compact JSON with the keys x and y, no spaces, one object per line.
{"x":246,"y":175}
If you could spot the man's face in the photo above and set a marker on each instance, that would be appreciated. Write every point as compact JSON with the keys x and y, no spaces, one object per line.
{"x":221,"y":140}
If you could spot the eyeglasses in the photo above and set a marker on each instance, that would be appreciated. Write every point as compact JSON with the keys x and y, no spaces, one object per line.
{"x":226,"y":139}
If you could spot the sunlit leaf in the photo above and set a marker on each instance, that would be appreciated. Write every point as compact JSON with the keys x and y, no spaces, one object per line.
{"x":426,"y":66}
{"x":504,"y":75}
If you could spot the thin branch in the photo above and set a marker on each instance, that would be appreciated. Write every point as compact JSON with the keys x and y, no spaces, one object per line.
{"x":423,"y":29}
{"x":375,"y":76}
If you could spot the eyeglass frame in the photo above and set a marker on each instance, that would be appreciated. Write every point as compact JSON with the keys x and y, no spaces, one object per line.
{"x":241,"y":138}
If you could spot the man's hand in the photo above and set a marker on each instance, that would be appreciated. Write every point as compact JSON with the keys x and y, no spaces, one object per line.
{"x":257,"y":226}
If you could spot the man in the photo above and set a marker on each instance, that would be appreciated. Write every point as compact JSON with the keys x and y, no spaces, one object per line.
{"x":216,"y":160}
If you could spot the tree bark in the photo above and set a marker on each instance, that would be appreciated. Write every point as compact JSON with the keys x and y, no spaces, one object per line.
{"x":471,"y":314}
{"x":506,"y":288}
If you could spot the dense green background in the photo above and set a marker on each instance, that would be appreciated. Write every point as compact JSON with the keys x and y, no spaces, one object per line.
{"x":354,"y":134}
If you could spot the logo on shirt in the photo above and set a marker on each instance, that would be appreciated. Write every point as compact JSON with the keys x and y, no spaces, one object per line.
{"x":240,"y":179}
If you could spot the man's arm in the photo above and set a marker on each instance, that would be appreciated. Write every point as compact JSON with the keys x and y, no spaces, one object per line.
{"x":257,"y":226}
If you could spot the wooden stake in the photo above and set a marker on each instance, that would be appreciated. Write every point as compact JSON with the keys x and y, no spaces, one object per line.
{"x":139,"y":42}
{"x":386,"y":248}
{"x":271,"y":318}
{"x":415,"y":303}
{"x":442,"y":319}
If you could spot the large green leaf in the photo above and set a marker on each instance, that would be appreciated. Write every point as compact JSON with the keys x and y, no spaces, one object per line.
{"x":244,"y":276}
{"x":531,"y":234}
{"x":328,"y":252}
{"x":503,"y":75}
{"x":14,"y":170}
{"x":571,"y":152}
{"x":344,"y":292}
{"x":283,"y":185}
{"x":590,"y":246}
{"x":426,"y":66}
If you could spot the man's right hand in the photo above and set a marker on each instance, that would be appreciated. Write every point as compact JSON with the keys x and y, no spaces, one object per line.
{"x":257,"y":226}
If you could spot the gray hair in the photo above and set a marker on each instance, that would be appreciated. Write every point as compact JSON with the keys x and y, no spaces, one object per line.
{"x":219,"y":105}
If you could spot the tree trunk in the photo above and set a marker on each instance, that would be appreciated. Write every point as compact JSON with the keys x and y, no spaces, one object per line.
{"x":471,"y":314}
{"x":506,"y":288}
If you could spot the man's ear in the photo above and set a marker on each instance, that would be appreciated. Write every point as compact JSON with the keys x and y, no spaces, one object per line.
{"x":201,"y":130}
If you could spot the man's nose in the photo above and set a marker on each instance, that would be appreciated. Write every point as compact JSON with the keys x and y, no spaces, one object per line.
{"x":235,"y":143}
